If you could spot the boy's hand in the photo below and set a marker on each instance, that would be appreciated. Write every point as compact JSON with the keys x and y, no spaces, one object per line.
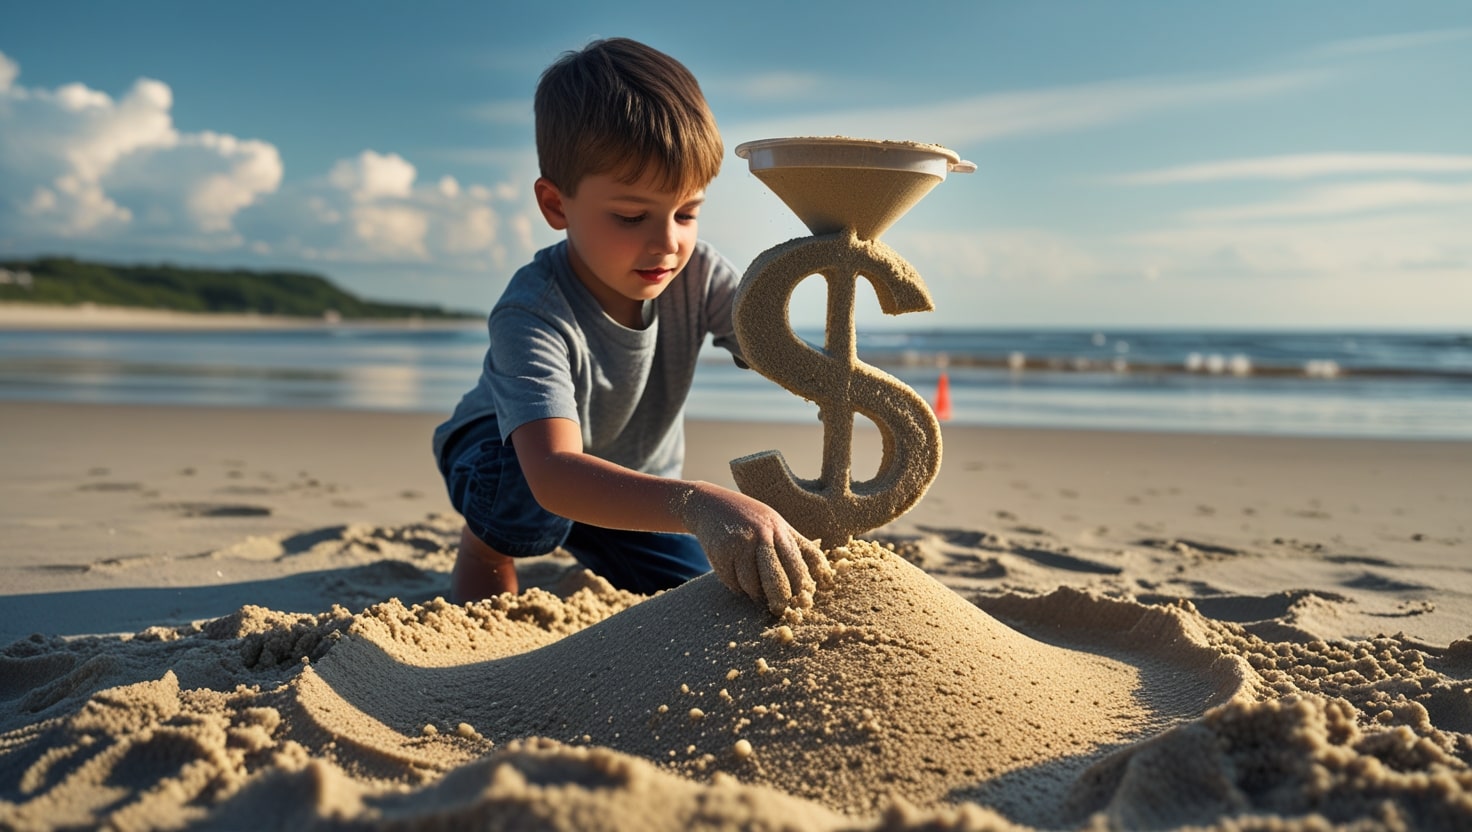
{"x":752,"y":548}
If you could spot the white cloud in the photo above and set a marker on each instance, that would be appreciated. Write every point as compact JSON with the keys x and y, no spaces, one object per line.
{"x":1369,"y":270}
{"x":521,"y":230}
{"x":1294,"y":270}
{"x":986,"y":117}
{"x":371,"y":175}
{"x":99,"y":132}
{"x":498,"y":158}
{"x":55,"y":147}
{"x":1350,"y":198}
{"x":76,"y":97}
{"x":1384,"y":246}
{"x":254,"y":169}
{"x":770,"y":86}
{"x":510,"y":112}
{"x":9,"y":71}
{"x":77,"y":163}
{"x":469,"y":231}
{"x":213,"y":176}
{"x":1301,"y":166}
{"x":369,"y":209}
{"x":1014,"y":254}
{"x":1374,"y":271}
{"x":392,"y":229}
{"x":1394,"y":43}
{"x":77,"y":206}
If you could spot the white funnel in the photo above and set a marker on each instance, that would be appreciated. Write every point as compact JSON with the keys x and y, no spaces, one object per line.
{"x":834,"y":183}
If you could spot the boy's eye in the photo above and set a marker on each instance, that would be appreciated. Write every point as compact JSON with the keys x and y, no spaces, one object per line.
{"x":627,"y":219}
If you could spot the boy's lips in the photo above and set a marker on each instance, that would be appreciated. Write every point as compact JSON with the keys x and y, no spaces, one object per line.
{"x":654,"y":275}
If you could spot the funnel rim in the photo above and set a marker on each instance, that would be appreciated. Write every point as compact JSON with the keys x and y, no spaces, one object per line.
{"x":847,"y":152}
{"x":744,"y":149}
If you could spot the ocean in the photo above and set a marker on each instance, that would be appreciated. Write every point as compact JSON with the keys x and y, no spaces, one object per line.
{"x":1351,"y":384}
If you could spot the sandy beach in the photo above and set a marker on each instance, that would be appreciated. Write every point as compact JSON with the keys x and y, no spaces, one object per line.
{"x":218,"y":617}
{"x":21,"y":317}
{"x":37,"y":316}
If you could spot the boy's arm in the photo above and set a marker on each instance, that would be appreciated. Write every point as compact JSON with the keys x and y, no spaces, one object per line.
{"x":751,"y":547}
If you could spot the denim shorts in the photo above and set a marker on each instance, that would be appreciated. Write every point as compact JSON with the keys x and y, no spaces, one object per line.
{"x":487,"y":486}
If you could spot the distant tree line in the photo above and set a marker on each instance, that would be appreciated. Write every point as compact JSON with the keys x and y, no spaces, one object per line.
{"x":68,"y":282}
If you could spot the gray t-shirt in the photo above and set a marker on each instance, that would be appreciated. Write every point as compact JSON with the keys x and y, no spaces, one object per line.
{"x":554,"y":353}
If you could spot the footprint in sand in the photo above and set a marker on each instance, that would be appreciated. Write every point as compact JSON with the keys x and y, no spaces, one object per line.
{"x":1196,"y":548}
{"x":1381,"y":583}
{"x":1060,"y":560}
{"x":969,"y":538}
{"x":111,"y":486}
{"x":1358,"y":560}
{"x":214,"y":509}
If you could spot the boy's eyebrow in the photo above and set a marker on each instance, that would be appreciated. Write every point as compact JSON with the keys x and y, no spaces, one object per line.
{"x":647,"y":200}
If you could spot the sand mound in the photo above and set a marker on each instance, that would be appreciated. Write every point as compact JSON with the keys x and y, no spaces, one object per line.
{"x":891,"y":686}
{"x":892,"y":704}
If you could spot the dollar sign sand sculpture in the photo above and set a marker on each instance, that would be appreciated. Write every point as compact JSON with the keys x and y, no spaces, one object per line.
{"x":847,"y":192}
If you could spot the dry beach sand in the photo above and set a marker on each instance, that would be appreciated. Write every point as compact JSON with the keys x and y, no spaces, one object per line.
{"x":26,"y":316}
{"x":229,"y":619}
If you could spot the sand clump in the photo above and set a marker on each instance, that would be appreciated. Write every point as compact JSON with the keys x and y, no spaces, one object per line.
{"x":892,"y":703}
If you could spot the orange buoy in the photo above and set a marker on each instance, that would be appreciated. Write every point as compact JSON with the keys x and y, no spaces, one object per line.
{"x":943,"y":398}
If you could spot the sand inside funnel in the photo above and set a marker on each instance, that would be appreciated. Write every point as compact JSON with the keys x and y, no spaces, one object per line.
{"x":828,"y":199}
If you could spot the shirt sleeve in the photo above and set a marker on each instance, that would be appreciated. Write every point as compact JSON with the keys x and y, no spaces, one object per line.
{"x":720,"y":304}
{"x":529,"y":367}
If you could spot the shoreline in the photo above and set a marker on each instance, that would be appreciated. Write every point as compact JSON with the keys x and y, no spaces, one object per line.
{"x":24,"y":317}
{"x":14,"y":314}
{"x":781,"y":424}
{"x":141,"y":356}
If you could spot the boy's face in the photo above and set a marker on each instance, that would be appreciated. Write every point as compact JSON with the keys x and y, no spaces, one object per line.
{"x":627,"y":242}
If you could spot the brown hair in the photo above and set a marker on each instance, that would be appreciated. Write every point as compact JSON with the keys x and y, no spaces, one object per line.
{"x":622,"y":107}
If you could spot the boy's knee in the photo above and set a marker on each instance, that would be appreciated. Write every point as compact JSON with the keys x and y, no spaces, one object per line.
{"x":480,"y":571}
{"x":471,"y":544}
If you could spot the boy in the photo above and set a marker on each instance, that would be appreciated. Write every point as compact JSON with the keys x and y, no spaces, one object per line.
{"x":574,"y":434}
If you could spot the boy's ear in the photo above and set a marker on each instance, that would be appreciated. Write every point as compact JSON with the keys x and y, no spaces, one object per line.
{"x":549,"y":199}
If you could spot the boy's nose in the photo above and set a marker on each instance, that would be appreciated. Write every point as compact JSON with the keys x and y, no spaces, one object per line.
{"x":666,"y":240}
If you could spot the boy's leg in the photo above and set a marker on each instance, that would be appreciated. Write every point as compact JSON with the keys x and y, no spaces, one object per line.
{"x":480,"y":571}
{"x":502,"y":518}
{"x":642,"y":562}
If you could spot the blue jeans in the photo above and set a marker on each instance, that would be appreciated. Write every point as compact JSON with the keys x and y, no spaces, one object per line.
{"x":487,"y":486}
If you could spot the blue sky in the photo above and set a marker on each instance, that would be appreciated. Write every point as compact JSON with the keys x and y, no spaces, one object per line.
{"x":1259,"y":164}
